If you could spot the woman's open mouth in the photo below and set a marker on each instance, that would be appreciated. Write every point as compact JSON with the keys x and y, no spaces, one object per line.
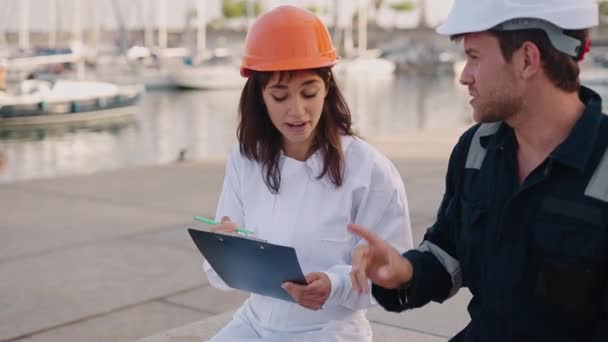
{"x":296,"y":127}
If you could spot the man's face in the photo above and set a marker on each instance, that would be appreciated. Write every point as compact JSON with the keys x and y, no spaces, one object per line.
{"x":492,"y":82}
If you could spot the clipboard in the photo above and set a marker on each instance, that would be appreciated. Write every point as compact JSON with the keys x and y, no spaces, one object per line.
{"x":250,"y":265}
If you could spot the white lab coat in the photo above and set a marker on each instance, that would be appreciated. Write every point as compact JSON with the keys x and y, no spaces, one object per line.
{"x":311,"y":215}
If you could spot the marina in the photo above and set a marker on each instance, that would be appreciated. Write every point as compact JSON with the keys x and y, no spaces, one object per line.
{"x":116,"y":120}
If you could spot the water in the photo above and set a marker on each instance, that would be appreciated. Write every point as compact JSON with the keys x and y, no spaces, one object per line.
{"x":200,"y":125}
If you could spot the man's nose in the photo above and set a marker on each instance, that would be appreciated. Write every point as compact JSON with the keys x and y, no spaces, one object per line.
{"x":466,"y":77}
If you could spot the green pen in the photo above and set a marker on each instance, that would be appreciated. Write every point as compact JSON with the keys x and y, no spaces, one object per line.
{"x":208,"y":221}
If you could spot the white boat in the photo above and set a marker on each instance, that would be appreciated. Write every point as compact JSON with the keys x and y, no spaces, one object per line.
{"x":206,"y":69}
{"x":63,"y":101}
{"x":364,"y":62}
{"x":153,"y":66}
{"x":365,"y":66}
{"x":219,"y":72}
{"x":156,"y":78}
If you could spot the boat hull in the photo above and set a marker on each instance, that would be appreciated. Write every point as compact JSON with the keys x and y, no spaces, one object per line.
{"x":71,"y":117}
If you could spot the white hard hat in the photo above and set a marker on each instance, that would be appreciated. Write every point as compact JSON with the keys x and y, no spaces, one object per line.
{"x":552,"y":16}
{"x":468,"y":16}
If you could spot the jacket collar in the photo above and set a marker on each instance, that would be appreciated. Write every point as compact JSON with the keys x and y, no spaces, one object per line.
{"x":314,"y":163}
{"x":576,"y":150}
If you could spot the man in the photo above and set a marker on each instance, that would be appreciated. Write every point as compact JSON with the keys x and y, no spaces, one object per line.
{"x":524,"y":220}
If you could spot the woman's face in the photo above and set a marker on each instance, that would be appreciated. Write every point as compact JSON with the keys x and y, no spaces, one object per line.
{"x":295,"y":105}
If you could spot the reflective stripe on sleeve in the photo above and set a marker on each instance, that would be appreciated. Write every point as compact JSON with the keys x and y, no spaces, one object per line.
{"x":451,"y":265}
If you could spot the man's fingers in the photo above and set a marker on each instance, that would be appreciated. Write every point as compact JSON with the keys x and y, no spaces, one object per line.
{"x":363,"y":233}
{"x":385,"y":273}
{"x":359,"y":268}
{"x":359,"y":255}
{"x":225,"y":219}
{"x":361,"y":274}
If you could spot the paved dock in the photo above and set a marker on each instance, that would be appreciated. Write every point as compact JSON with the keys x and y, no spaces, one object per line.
{"x":106,"y":257}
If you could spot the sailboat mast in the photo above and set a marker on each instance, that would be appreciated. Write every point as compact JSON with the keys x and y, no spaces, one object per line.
{"x":362,"y":27}
{"x":162,"y":27}
{"x":422,"y":23}
{"x":148,"y":9}
{"x":52,"y":23}
{"x":76,"y":22}
{"x":24,"y":19}
{"x":95,"y":29}
{"x":77,"y":39}
{"x":201,"y":32}
{"x":250,"y":13}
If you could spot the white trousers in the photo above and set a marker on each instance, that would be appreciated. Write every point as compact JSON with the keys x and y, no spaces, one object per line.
{"x":241,"y":330}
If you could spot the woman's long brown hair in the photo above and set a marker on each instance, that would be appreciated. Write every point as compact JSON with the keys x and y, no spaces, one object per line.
{"x":261,"y":141}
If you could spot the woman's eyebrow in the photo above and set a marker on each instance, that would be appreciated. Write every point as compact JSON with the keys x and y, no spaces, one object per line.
{"x":309,"y":82}
{"x":283,"y":86}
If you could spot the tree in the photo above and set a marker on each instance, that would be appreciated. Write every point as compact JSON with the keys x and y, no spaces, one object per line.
{"x":314,"y":9}
{"x":404,"y":6}
{"x":603,"y":7}
{"x":238,"y":8}
{"x":407,"y":6}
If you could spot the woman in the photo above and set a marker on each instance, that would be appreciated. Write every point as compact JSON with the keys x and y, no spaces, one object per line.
{"x":299,"y":176}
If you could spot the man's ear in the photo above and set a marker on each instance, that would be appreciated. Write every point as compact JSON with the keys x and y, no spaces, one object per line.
{"x":530,"y":60}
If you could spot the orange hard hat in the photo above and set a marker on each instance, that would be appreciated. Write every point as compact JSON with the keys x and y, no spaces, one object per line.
{"x":287,"y":38}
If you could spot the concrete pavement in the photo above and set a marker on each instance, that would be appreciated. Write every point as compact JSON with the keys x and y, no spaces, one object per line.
{"x":105,"y":256}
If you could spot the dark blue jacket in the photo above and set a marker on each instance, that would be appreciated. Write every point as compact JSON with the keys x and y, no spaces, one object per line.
{"x":535,"y":255}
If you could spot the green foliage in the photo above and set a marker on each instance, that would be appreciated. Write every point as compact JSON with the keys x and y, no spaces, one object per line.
{"x":604,"y":7}
{"x":314,"y":9}
{"x":215,"y":23}
{"x":405,"y":6}
{"x":238,"y":8}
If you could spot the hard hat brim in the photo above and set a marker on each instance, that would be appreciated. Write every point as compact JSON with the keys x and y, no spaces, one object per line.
{"x":288,"y":65}
{"x":575,"y":19}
